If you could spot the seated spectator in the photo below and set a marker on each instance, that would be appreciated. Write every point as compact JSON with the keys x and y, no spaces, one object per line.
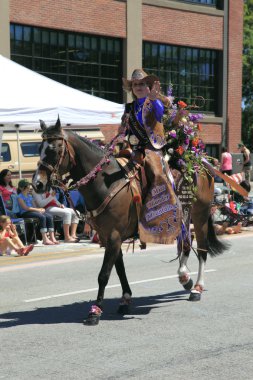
{"x":238,"y":198}
{"x":216,"y":165}
{"x":28,"y":209}
{"x":7,"y":190}
{"x":9,"y":238}
{"x":225,"y":229}
{"x":53,"y":207}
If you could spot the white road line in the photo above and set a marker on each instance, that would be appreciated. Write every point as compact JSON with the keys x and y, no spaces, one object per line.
{"x":109,"y":287}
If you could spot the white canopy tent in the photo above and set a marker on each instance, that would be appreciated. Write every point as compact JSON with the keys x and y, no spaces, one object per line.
{"x":27,"y":97}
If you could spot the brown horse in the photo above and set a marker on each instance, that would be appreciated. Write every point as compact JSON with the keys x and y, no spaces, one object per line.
{"x":109,"y":199}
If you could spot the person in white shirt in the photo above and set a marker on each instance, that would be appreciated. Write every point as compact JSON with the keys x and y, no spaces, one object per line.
{"x":52,"y":206}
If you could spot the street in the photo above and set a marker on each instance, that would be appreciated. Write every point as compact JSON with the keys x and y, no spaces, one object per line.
{"x":45,"y":298}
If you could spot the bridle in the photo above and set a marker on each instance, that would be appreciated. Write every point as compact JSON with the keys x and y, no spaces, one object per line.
{"x":108,"y":151}
{"x":65,"y":150}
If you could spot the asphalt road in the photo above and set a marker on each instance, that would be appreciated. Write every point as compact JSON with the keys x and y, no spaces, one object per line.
{"x":45,"y":297}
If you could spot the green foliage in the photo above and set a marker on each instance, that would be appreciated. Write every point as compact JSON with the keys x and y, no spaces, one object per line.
{"x":184,"y":148}
{"x":247,"y":88}
{"x":248,"y":52}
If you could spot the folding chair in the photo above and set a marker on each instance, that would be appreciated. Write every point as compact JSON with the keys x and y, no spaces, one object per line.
{"x":19,"y":222}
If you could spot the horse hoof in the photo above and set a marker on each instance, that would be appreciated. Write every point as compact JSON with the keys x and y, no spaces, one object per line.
{"x":92,"y":320}
{"x":93,"y":316}
{"x":195,"y":296}
{"x":123,"y":309}
{"x":188,"y":285}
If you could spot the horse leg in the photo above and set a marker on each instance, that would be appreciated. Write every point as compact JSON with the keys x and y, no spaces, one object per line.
{"x":111,"y":253}
{"x":201,"y":230}
{"x":184,"y":249}
{"x":199,"y":286}
{"x":125,"y":302}
{"x":183,"y":274}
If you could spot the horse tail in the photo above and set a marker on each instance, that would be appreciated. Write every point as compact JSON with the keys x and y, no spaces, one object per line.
{"x":214,"y":245}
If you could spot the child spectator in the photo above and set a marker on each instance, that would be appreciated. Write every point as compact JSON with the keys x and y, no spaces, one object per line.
{"x":9,"y":238}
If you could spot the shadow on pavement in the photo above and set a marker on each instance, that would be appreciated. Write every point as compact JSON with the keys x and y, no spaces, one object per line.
{"x":77,"y":312}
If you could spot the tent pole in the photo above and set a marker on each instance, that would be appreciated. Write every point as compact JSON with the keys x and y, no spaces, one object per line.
{"x":18,"y":147}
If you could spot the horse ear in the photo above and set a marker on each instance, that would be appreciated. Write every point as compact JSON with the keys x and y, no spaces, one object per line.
{"x":43,"y":126}
{"x":58,"y":123}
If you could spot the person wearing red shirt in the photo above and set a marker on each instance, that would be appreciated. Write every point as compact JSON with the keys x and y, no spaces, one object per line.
{"x":7,"y":189}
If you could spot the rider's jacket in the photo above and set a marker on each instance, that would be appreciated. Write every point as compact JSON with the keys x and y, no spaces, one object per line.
{"x":143,"y":121}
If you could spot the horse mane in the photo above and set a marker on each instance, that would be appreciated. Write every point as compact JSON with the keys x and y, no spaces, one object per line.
{"x":51,"y":132}
{"x":93,"y":147}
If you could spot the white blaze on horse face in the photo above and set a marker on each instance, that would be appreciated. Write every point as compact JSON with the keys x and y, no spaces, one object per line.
{"x":40,"y":176}
{"x":43,"y":150}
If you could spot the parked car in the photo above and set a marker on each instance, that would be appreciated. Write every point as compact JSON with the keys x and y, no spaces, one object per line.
{"x":29,"y":151}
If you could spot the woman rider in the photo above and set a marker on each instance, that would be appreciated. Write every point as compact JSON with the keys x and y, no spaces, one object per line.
{"x":142,"y":125}
{"x":142,"y":118}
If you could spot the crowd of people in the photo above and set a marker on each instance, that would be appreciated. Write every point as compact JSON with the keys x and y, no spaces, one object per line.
{"x":23,"y":202}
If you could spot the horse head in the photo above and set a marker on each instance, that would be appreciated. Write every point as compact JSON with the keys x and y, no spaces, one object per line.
{"x":54,"y":156}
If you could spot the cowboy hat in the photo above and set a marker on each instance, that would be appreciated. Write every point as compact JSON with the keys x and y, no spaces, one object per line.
{"x":138,"y":75}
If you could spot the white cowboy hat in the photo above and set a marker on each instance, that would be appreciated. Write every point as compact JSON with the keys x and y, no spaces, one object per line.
{"x":138,"y":75}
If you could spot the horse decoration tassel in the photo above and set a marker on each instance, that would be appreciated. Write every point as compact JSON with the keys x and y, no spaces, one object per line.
{"x":137,"y":198}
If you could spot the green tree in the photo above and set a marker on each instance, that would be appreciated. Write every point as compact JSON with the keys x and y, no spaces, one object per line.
{"x":247,"y":88}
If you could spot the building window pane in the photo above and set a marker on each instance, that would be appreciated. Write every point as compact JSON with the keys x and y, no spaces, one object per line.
{"x":191,"y":71}
{"x":205,"y":2}
{"x":86,"y":62}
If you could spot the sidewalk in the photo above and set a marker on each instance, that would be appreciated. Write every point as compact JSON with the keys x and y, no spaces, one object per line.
{"x":63,"y":247}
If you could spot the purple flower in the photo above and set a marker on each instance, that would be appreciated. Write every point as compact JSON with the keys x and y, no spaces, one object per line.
{"x":181,"y":162}
{"x":170,"y":89}
{"x":188,"y":131}
{"x":201,"y":146}
{"x":173,"y":134}
{"x":195,"y":116}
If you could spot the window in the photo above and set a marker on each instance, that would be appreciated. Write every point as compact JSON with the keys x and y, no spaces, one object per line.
{"x":6,"y":153}
{"x":212,"y":150}
{"x":205,"y":2}
{"x":88,"y":63}
{"x":191,"y":71}
{"x":30,"y":149}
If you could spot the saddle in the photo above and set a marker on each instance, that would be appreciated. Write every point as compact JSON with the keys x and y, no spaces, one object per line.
{"x":158,"y":208}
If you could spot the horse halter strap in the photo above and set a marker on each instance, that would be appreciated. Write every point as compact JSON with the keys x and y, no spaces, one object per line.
{"x":54,"y":169}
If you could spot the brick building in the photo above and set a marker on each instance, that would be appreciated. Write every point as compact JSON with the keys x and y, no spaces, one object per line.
{"x":194,"y":44}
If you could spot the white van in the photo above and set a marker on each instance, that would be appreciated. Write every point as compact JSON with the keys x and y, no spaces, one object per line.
{"x":29,"y":150}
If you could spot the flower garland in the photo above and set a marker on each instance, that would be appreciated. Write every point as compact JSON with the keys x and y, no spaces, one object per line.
{"x":108,"y":149}
{"x":184,"y":148}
